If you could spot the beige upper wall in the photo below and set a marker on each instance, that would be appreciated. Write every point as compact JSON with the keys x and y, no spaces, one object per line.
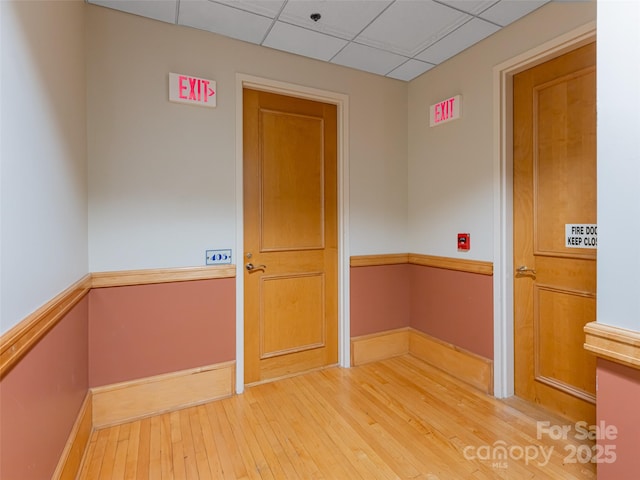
{"x":43,"y":194}
{"x":619,"y":165}
{"x":451,"y":167}
{"x":162,"y":175}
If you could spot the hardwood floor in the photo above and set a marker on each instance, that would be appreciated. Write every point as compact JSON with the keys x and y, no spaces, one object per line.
{"x":394,"y":419}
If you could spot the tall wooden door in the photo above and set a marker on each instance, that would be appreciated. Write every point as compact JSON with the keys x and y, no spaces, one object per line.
{"x":554,"y":221}
{"x":290,"y":235}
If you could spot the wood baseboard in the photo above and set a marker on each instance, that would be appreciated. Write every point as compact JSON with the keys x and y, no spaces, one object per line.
{"x":473,"y":369}
{"x":613,"y":343}
{"x":72,"y":456}
{"x":379,"y":346}
{"x":128,"y":401}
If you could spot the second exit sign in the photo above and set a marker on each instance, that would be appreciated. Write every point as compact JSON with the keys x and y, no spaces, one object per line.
{"x":445,"y":111}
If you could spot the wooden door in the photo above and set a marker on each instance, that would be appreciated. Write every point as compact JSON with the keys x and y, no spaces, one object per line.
{"x":555,"y":186}
{"x":290,"y":235}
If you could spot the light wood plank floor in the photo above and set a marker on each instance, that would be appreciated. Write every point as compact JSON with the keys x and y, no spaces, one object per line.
{"x":394,"y":419}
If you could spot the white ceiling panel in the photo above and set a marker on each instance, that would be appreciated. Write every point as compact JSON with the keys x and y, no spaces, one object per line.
{"x":507,"y":11}
{"x":368,"y":59}
{"x":267,"y":8}
{"x":409,"y":26}
{"x":342,"y":18}
{"x":400,"y":39}
{"x":163,"y":10}
{"x":303,"y":42}
{"x":224,"y":20}
{"x":470,"y":6}
{"x":410,"y":70}
{"x":457,"y":41}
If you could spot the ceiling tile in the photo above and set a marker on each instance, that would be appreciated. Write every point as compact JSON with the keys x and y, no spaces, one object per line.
{"x":410,"y":70}
{"x":344,"y":19}
{"x":470,"y":6}
{"x":224,"y":20}
{"x":368,"y":59}
{"x":303,"y":42}
{"x":268,"y":8}
{"x":408,"y":26}
{"x":465,"y":36}
{"x":397,"y":38}
{"x":507,"y":11}
{"x":163,"y":10}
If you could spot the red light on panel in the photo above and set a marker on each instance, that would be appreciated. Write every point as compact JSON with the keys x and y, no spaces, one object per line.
{"x":464,"y":241}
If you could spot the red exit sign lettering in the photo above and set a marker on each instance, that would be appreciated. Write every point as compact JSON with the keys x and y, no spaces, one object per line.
{"x":192,"y":90}
{"x":445,"y":111}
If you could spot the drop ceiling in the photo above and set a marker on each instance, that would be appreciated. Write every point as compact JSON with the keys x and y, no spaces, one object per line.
{"x":399,"y":39}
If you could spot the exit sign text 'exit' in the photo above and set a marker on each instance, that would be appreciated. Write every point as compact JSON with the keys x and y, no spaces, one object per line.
{"x":192,"y":90}
{"x":445,"y":111}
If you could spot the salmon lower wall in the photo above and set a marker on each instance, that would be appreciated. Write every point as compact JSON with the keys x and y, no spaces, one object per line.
{"x":379,"y":298}
{"x":618,"y":398}
{"x":40,"y":398}
{"x":453,"y":306}
{"x":144,"y":330}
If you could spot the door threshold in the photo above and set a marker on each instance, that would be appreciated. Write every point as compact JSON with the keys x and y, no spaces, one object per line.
{"x":290,"y":375}
{"x":539,"y":412}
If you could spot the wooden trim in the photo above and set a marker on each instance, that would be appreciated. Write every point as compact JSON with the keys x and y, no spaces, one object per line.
{"x":379,"y":346}
{"x":472,"y":369}
{"x":128,"y":401}
{"x":458,"y":264}
{"x":160,"y":275}
{"x":22,"y":337}
{"x":72,"y":456}
{"x":16,"y":342}
{"x":377,"y":260}
{"x":613,"y":343}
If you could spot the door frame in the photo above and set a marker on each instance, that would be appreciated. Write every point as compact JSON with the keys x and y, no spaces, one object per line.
{"x":342,"y":103}
{"x":503,"y":341}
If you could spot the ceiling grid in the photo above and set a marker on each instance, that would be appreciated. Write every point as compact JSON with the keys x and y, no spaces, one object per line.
{"x":399,"y":39}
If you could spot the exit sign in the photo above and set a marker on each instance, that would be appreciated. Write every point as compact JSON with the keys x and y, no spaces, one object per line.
{"x":445,"y":111}
{"x":192,"y":90}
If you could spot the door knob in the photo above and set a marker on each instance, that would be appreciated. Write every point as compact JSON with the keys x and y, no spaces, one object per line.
{"x":525,"y":269}
{"x":251,"y":266}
